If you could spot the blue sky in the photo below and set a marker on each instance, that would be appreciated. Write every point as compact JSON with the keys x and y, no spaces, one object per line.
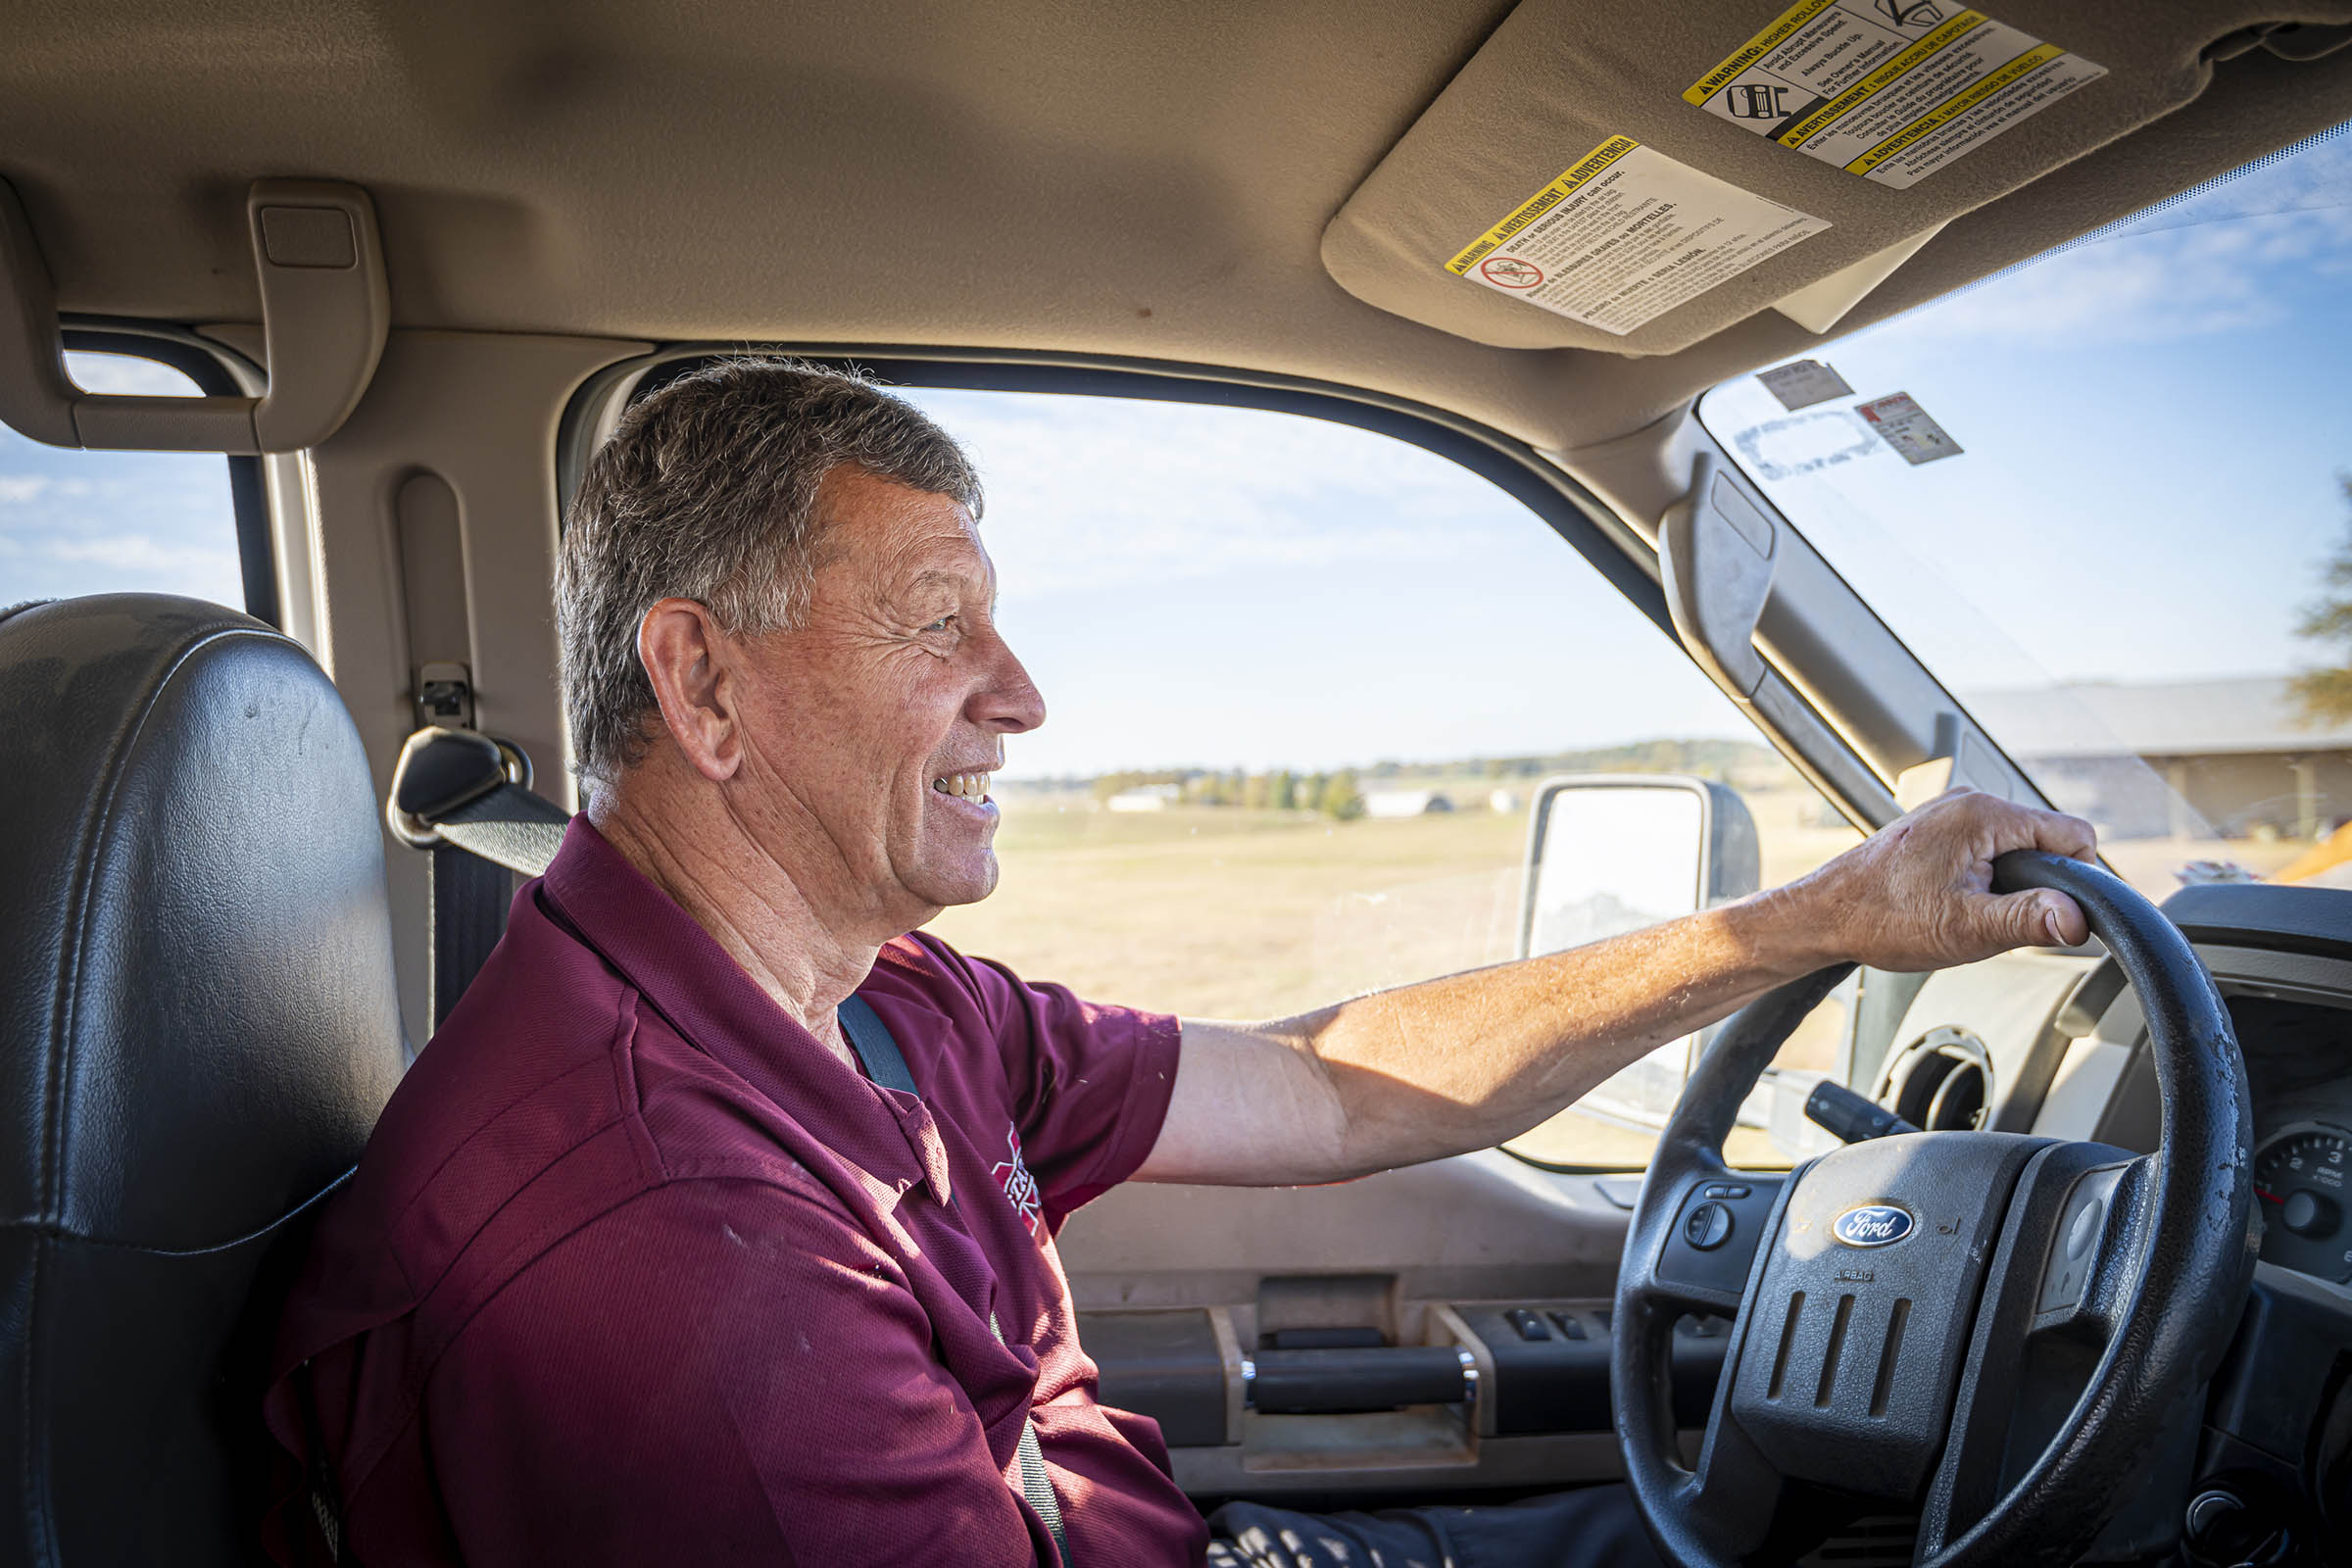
{"x":2152,"y":423}
{"x":1229,"y":587}
{"x":2153,"y":428}
{"x":86,"y":522}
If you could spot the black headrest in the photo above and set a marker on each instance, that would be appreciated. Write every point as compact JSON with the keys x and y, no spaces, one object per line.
{"x":197,"y":1029}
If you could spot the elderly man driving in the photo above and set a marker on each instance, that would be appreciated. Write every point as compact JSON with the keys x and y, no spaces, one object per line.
{"x":716,"y":1224}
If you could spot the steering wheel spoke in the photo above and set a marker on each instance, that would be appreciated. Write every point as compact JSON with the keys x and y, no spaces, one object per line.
{"x":2072,"y":1239}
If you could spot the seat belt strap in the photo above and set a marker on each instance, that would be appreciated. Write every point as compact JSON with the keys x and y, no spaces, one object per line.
{"x":1036,"y":1484}
{"x":469,"y":899}
{"x":484,"y":844}
{"x":874,"y":1047}
{"x":465,"y":797}
{"x":877,"y":1052}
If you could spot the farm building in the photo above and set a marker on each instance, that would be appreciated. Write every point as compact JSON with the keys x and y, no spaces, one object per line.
{"x":2232,"y":757}
{"x":1146,"y":798}
{"x":1405,"y":802}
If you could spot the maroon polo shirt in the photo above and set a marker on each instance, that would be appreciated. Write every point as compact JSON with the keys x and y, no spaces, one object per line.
{"x":636,"y":1270}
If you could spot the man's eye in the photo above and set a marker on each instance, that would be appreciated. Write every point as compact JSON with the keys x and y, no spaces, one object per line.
{"x":941,"y":623}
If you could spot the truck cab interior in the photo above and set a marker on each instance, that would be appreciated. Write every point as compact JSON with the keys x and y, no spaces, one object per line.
{"x":387,"y":273}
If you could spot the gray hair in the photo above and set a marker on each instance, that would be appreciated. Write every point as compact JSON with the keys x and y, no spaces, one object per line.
{"x":707,"y":491}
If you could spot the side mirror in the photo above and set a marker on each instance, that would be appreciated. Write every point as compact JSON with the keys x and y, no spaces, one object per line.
{"x":1611,"y":853}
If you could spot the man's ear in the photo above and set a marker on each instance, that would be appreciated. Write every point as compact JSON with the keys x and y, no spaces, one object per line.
{"x":688,"y":657}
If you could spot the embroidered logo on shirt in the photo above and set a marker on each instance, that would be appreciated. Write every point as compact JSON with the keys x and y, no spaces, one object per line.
{"x":1020,"y":1188}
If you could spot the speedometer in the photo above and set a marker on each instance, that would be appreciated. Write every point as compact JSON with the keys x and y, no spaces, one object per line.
{"x":2302,"y":1179}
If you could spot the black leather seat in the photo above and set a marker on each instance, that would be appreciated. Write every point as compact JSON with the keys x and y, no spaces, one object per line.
{"x":197,"y":1030}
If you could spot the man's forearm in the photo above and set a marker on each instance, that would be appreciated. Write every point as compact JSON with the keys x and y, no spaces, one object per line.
{"x":1546,"y":1029}
{"x":1460,"y":1063}
{"x":1463,"y":1062}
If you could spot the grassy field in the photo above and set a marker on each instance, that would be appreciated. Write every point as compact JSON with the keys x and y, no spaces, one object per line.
{"x":1225,"y":913}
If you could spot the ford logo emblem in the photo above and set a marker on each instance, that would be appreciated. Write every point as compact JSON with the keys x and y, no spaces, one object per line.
{"x":1873,"y":1225}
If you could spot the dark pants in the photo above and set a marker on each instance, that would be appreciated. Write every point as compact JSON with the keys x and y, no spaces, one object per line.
{"x":1592,"y":1527}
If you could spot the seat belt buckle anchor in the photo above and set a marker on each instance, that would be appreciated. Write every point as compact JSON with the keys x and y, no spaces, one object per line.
{"x":442,"y":769}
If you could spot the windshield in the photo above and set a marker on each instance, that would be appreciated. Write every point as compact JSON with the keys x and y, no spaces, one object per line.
{"x":2107,"y":497}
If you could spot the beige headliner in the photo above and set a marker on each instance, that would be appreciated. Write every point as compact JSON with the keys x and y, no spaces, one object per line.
{"x":1149,"y":180}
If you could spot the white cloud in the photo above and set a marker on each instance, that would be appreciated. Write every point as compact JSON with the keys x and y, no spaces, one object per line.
{"x":1087,"y":493}
{"x":19,"y":488}
{"x":124,"y":375}
{"x":137,"y":552}
{"x":2165,"y":285}
{"x":2208,"y":265}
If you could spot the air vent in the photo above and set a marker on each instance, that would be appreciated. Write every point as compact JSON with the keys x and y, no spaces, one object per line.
{"x":1941,"y":1081}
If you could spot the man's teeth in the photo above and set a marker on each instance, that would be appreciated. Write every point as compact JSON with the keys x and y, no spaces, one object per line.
{"x":971,"y":786}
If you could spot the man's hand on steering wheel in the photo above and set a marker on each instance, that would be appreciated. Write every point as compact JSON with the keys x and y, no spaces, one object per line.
{"x":1918,"y":894}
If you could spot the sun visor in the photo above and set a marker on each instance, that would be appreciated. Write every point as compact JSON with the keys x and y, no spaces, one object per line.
{"x":1638,"y":179}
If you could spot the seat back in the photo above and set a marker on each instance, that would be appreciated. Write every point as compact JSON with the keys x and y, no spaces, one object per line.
{"x":198,"y":1027}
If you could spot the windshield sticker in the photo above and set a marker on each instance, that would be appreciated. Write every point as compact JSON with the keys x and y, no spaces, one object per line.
{"x":1888,"y":89}
{"x":1801,"y":383}
{"x":1905,"y":426}
{"x":1625,"y":235}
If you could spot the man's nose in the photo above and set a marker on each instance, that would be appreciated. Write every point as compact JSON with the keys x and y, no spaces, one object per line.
{"x":1010,"y":702}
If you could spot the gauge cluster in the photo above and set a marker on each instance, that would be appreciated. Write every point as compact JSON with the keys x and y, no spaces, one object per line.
{"x":2300,"y":1179}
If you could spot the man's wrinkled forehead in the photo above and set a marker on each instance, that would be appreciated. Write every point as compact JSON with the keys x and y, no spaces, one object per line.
{"x":897,"y":539}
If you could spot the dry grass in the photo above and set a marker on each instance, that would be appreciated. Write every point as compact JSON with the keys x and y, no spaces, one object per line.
{"x":1229,"y":913}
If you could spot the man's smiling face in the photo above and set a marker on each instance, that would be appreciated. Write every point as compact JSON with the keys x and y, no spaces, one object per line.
{"x":882,"y":714}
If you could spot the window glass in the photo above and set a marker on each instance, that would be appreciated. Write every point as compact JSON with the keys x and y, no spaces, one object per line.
{"x":2127,"y":541}
{"x":85,"y":522}
{"x":1302,"y":683}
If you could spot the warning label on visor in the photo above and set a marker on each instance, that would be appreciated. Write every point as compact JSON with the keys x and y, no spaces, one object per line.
{"x":1626,"y":234}
{"x":1888,"y":89}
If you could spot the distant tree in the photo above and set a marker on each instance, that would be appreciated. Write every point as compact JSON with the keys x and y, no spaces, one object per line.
{"x":1307,"y":792}
{"x":1339,"y":799}
{"x":1279,"y":794}
{"x":2325,"y":694}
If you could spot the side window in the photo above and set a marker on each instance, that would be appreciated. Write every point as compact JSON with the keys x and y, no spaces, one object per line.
{"x":77,"y":522}
{"x":1303,"y":682}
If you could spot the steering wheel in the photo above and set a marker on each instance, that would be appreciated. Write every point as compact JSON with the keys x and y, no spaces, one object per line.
{"x":1903,"y":1306}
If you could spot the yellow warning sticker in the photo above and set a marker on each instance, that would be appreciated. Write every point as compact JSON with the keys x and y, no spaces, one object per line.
{"x":1888,"y":89}
{"x":1626,"y":234}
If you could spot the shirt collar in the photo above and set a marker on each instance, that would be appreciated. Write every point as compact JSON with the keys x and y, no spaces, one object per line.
{"x":693,"y":982}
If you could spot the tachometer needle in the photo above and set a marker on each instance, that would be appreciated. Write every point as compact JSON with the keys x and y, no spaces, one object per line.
{"x":2268,"y":1196}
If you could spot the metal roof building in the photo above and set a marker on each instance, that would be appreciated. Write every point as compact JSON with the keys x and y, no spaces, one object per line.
{"x":2234,"y":756}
